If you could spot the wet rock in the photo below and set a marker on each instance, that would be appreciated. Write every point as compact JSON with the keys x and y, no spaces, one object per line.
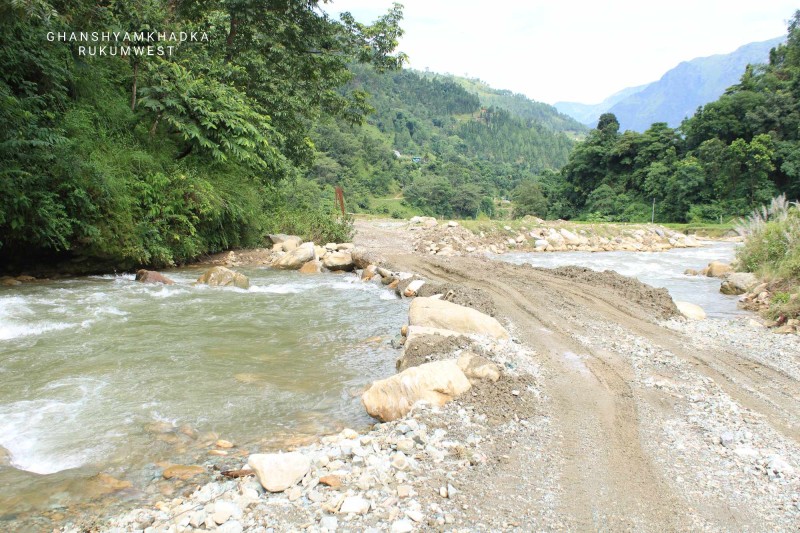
{"x":437,"y":382}
{"x":278,"y":471}
{"x":150,"y":276}
{"x":738,"y":283}
{"x":413,"y":287}
{"x":182,"y":471}
{"x":103,"y":483}
{"x":435,"y":313}
{"x":7,"y":281}
{"x":296,"y":258}
{"x":339,"y":261}
{"x":224,"y":444}
{"x":362,"y":257}
{"x":220,"y":276}
{"x":691,"y":311}
{"x":369,"y":272}
{"x":312,"y":267}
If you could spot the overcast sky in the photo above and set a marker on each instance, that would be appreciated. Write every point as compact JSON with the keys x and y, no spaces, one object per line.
{"x":570,"y":50}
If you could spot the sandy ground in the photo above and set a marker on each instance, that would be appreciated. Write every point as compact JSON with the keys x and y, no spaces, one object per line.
{"x":646,"y":424}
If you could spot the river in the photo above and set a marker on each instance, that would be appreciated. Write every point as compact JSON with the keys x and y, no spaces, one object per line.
{"x":104,"y":374}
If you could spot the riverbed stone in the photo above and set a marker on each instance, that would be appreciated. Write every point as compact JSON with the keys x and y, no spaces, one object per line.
{"x":220,"y":276}
{"x":437,"y":382}
{"x":691,"y":311}
{"x":478,"y":368}
{"x":717,"y":269}
{"x":150,"y":276}
{"x":312,"y":267}
{"x":738,"y":283}
{"x":355,"y":505}
{"x":296,"y":258}
{"x":278,"y":471}
{"x":435,"y":313}
{"x":182,"y":471}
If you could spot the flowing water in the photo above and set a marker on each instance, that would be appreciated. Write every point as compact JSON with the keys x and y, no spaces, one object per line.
{"x":658,"y":269}
{"x":103,"y":374}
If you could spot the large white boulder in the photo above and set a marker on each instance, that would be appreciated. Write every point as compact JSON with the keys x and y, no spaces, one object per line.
{"x":435,"y":313}
{"x":437,"y":383}
{"x":278,"y":471}
{"x":738,"y":283}
{"x":338,"y":261}
{"x":691,"y":311}
{"x":220,"y":276}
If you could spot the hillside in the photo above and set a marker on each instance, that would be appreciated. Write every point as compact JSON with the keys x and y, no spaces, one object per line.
{"x":678,"y":93}
{"x":432,"y":146}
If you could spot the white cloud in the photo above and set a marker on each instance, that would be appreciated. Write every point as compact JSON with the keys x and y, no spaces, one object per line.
{"x":583,"y":51}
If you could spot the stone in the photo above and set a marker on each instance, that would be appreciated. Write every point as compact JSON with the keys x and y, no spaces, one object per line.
{"x":339,"y":261}
{"x":220,"y":276}
{"x":402,"y":526}
{"x":362,"y":257}
{"x":777,"y":466}
{"x":570,"y":237}
{"x":223,"y":511}
{"x":100,"y":484}
{"x":738,"y":283}
{"x":331,"y":481}
{"x":691,"y":311}
{"x":278,"y":471}
{"x":312,"y":267}
{"x":478,"y":368}
{"x":413,"y":288}
{"x":150,"y":276}
{"x":404,"y":491}
{"x":224,"y":444}
{"x":437,"y":382}
{"x":296,"y":258}
{"x":717,"y":269}
{"x":369,"y":272}
{"x":452,"y":224}
{"x":329,"y":522}
{"x":435,"y":313}
{"x":280,"y":238}
{"x":9,"y":282}
{"x":355,"y":504}
{"x":182,"y":471}
{"x":344,"y":246}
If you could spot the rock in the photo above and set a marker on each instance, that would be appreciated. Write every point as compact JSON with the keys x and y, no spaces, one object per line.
{"x":288,"y":246}
{"x":312,"y":267}
{"x":224,"y":444}
{"x":278,"y":471}
{"x":296,"y":258}
{"x":402,"y":526}
{"x":150,"y":276}
{"x":369,"y":272}
{"x":329,"y":522}
{"x":362,"y":257}
{"x":182,"y":471}
{"x":219,"y":276}
{"x":437,"y":382}
{"x":434,"y":313}
{"x":777,"y":466}
{"x":540,"y":243}
{"x":355,"y":504}
{"x":717,"y":269}
{"x":477,"y":368}
{"x":280,"y":238}
{"x":102,"y":484}
{"x":223,"y":511}
{"x":345,"y":246}
{"x":339,"y":261}
{"x":452,"y":224}
{"x":24,"y":278}
{"x":738,"y":283}
{"x":691,"y":272}
{"x":413,"y":288}
{"x":570,"y":237}
{"x":9,"y":282}
{"x":691,"y":311}
{"x":332,"y":481}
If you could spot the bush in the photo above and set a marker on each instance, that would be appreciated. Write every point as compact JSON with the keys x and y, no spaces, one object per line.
{"x":772,"y":243}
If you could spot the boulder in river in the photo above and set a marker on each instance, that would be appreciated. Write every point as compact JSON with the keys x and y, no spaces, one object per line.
{"x":296,"y":258}
{"x":437,"y":382}
{"x":339,"y":261}
{"x":278,"y":471}
{"x":738,"y":283}
{"x":716,"y":269}
{"x":150,"y":276}
{"x":435,"y":313}
{"x":362,"y":257}
{"x":312,"y":267}
{"x":220,"y":276}
{"x":691,"y":311}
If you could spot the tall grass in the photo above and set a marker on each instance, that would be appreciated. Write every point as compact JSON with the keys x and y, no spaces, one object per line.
{"x":772,"y":240}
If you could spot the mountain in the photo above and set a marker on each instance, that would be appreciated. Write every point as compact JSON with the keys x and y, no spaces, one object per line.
{"x":588,"y":114}
{"x":678,"y":93}
{"x":516,"y":103}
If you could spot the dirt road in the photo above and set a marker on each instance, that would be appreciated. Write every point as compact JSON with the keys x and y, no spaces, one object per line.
{"x":642,"y":425}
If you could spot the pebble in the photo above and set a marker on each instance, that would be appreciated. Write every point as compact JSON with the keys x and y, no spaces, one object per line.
{"x":329,"y":522}
{"x":402,"y":526}
{"x":355,"y":504}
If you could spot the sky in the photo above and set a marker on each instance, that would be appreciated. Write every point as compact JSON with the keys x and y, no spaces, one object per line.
{"x":568,"y":50}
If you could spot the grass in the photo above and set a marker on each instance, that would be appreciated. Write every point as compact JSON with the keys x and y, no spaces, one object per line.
{"x":703,"y":229}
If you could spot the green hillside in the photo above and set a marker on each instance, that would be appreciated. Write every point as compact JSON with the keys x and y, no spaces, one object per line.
{"x":435,"y":147}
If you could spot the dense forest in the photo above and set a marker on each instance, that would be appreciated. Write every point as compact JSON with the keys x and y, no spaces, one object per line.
{"x":168,"y":129}
{"x":732,"y":156}
{"x":441,"y":148}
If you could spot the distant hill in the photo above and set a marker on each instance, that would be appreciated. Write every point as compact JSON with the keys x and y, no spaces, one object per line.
{"x":678,"y":93}
{"x":517,"y":104}
{"x":588,"y":114}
